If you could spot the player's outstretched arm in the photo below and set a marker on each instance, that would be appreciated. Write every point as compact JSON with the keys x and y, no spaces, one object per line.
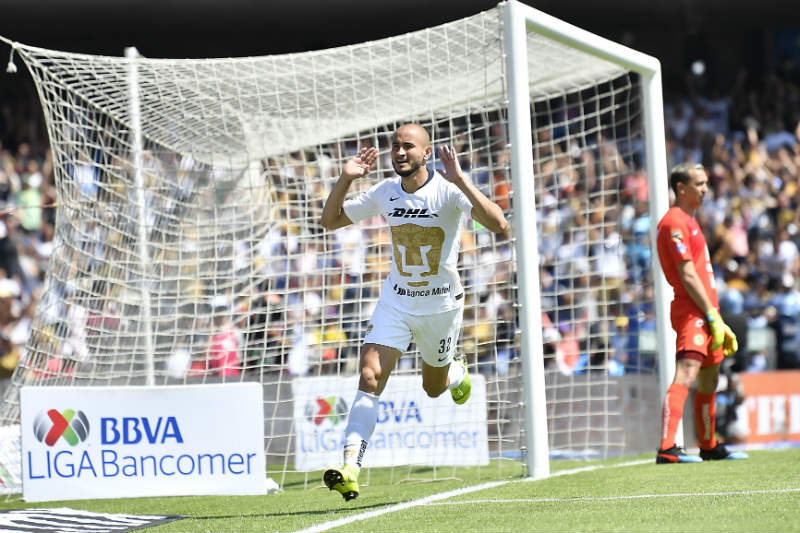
{"x":484,"y":210}
{"x":333,"y":216}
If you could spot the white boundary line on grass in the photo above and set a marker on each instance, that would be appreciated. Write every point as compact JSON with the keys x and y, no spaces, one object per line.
{"x":629,"y":497}
{"x":450,"y":494}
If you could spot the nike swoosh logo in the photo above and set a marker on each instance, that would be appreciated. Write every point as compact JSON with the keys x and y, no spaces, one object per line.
{"x":694,"y":232}
{"x":442,"y":358}
{"x":393,"y":199}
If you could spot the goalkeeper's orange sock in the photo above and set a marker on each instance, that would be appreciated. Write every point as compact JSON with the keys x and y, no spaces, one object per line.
{"x":672,"y":413}
{"x":704,"y":418}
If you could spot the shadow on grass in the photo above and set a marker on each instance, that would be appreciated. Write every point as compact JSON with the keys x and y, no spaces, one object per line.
{"x":347,"y":510}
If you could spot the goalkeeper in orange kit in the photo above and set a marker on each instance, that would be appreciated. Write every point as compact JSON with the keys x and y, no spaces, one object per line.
{"x":703,"y":338}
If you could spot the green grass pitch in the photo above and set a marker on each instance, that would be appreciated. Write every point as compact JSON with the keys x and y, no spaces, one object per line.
{"x":626,"y":494}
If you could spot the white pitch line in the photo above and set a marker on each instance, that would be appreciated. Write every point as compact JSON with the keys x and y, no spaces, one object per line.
{"x":445,"y":495}
{"x":629,"y":497}
{"x":399,"y":507}
{"x":588,"y":469}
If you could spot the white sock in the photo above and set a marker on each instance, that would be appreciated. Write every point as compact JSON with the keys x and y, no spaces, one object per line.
{"x":360,"y":425}
{"x":456,"y":373}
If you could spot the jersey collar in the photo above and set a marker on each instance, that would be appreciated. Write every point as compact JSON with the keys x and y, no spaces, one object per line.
{"x":427,"y":181}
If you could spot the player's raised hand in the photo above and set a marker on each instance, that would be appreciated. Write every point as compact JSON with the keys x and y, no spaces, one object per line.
{"x":452,"y":168}
{"x":360,"y":164}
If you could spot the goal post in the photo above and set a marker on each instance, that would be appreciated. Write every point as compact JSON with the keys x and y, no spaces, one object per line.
{"x":131,"y":54}
{"x":530,"y":319}
{"x":518,"y":20}
{"x":187,"y":247}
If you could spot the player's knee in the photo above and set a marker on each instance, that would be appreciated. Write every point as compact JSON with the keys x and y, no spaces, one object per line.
{"x":687,"y":380}
{"x":369,"y":379}
{"x":687,"y":368}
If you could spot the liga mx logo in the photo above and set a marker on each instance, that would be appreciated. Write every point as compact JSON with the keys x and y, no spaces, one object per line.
{"x":50,"y":426}
{"x":333,"y":409}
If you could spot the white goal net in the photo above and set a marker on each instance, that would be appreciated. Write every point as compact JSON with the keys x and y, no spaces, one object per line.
{"x":188,"y":249}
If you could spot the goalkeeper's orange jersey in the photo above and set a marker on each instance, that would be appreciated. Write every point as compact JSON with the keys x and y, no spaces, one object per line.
{"x":681,"y":239}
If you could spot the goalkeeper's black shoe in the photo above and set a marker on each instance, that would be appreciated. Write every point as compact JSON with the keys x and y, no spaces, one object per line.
{"x":719,"y":452}
{"x":676,"y":455}
{"x":344,"y":480}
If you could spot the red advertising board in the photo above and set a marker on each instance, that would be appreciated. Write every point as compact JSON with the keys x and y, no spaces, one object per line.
{"x":772,"y":401}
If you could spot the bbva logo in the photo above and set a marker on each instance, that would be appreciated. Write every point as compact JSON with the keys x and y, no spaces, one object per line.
{"x":52,"y":425}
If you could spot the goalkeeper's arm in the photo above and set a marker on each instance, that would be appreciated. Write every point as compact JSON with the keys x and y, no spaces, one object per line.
{"x":721,"y":334}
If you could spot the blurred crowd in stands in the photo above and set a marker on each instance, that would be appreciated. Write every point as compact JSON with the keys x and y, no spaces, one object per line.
{"x":26,"y":227}
{"x":747,"y":137}
{"x":749,"y":141}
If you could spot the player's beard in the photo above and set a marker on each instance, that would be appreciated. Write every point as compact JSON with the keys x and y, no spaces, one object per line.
{"x":412,"y":168}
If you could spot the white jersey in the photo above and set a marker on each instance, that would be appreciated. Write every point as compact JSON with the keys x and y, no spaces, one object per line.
{"x":425,"y":228}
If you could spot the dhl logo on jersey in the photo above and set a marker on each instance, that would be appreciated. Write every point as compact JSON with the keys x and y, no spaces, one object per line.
{"x":402,"y":212}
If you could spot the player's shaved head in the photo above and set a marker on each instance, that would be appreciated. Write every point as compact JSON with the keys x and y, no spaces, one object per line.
{"x":419,"y":133}
{"x":411,"y":148}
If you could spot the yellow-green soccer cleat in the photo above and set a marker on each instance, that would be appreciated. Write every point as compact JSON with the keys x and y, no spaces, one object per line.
{"x":461,"y":393}
{"x":343,"y":479}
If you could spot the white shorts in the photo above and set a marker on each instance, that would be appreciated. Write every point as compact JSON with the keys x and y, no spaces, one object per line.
{"x":436,"y":335}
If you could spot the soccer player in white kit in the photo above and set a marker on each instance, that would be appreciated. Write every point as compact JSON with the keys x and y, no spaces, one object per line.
{"x":422,"y":297}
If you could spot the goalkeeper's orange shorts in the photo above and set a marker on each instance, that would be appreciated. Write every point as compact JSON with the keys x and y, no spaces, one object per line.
{"x":694,"y":336}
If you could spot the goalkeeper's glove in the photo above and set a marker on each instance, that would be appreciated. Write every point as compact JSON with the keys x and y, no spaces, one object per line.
{"x":721,"y":334}
{"x":730,"y":345}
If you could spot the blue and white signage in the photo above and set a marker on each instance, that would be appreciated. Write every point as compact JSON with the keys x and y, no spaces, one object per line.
{"x":411,"y":428}
{"x":112,"y":442}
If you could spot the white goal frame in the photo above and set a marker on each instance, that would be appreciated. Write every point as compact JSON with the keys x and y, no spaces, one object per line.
{"x":514,"y":26}
{"x":518,"y":20}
